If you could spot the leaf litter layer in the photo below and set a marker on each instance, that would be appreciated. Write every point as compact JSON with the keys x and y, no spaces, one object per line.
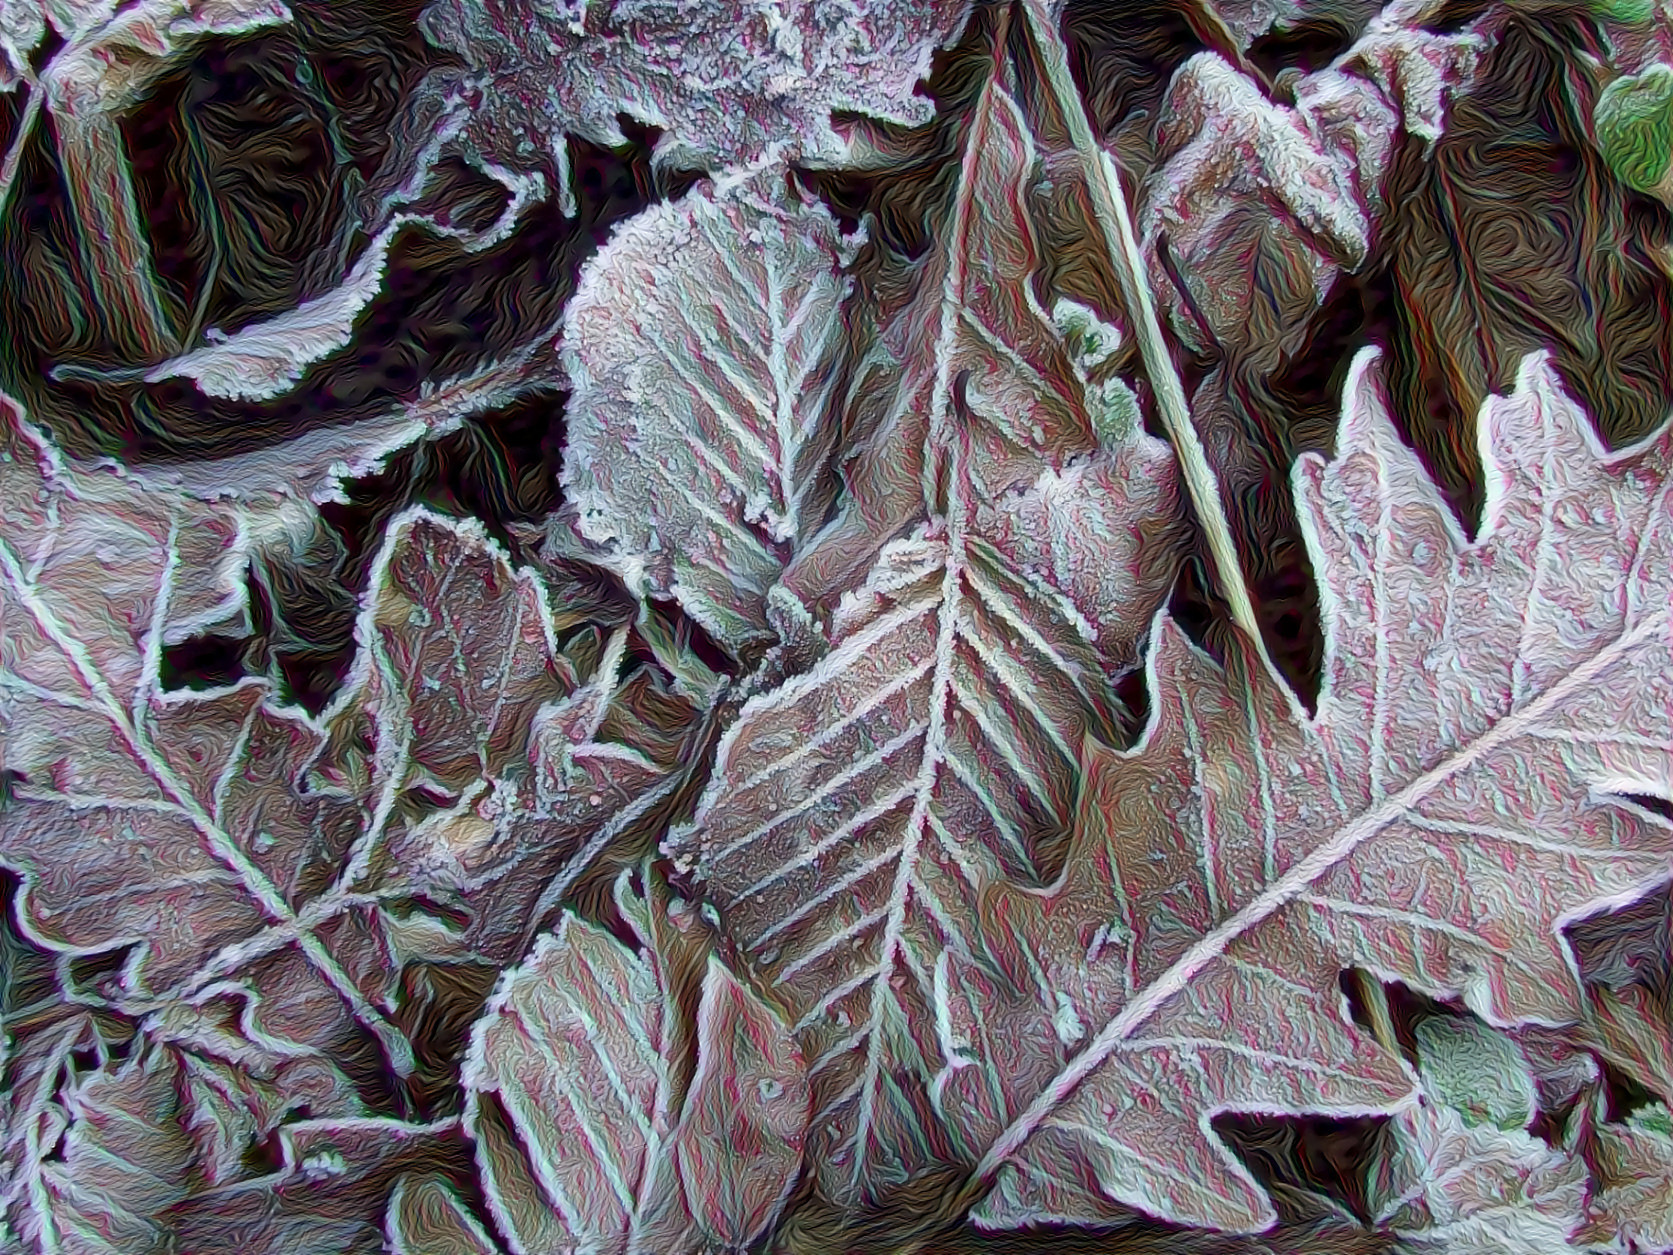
{"x":865,"y":800}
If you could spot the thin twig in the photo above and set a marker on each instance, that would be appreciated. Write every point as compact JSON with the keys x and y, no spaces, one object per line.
{"x":1109,"y":205}
{"x":20,"y":141}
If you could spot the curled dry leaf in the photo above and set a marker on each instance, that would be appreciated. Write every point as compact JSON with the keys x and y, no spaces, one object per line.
{"x":585,"y":1117}
{"x":725,"y":80}
{"x":141,"y":1135}
{"x":702,"y":346}
{"x":1456,"y":799}
{"x":857,"y":812}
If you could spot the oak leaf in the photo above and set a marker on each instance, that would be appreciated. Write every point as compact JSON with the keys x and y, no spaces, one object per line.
{"x":1489,"y":710}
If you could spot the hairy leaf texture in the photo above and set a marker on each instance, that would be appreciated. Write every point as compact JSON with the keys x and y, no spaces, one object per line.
{"x":857,"y":813}
{"x":586,"y":1119}
{"x":725,"y":80}
{"x":701,"y":346}
{"x":1488,"y":709}
{"x":233,"y":846}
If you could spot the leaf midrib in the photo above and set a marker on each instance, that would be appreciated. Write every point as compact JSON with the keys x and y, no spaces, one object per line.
{"x":1291,"y":885}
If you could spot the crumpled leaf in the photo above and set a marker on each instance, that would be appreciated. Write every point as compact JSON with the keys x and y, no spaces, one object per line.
{"x":725,"y":80}
{"x":1635,"y":1170}
{"x":578,"y":1098}
{"x":856,"y":813}
{"x":1451,"y":804}
{"x":234,"y":847}
{"x":426,"y":1218}
{"x":739,"y":1143}
{"x":1485,"y":1190}
{"x":701,"y":346}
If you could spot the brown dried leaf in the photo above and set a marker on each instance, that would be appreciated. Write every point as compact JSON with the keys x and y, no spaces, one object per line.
{"x":701,"y":345}
{"x":739,"y":1145}
{"x":1452,"y":803}
{"x":856,"y":814}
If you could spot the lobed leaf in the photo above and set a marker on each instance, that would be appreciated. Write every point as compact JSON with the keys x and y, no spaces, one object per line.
{"x":1456,"y":798}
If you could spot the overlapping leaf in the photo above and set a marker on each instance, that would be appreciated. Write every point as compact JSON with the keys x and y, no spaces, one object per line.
{"x":726,"y":80}
{"x":702,"y":346}
{"x":587,"y":1137}
{"x":857,"y":812}
{"x":234,"y":846}
{"x":1486,"y":710}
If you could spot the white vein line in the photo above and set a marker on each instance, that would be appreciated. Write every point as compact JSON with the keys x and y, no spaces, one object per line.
{"x":848,"y":1091}
{"x":1520,"y":669}
{"x":784,"y":411}
{"x":93,"y":801}
{"x":856,"y":769}
{"x":1037,"y":382}
{"x":955,"y":849}
{"x":1379,"y":608}
{"x":1513,"y":837}
{"x":699,"y":445}
{"x":1564,"y":736}
{"x":1262,"y":972}
{"x":526,"y":1115}
{"x":832,"y":730}
{"x":1002,"y":606}
{"x":955,"y":940}
{"x":1160,"y":1167}
{"x":1254,"y":1053}
{"x":1653,"y":518}
{"x":1006,"y":671}
{"x":234,"y":756}
{"x":1208,"y":807}
{"x":1006,"y":831}
{"x":717,"y":517}
{"x":220,"y":843}
{"x":1263,"y":778}
{"x":580,"y":1010}
{"x":151,"y":658}
{"x":1040,"y":590}
{"x":1292,"y":886}
{"x":835,"y":995}
{"x":17,"y":684}
{"x":557,"y":1074}
{"x":868,"y":920}
{"x":822,"y":897}
{"x":1006,"y":746}
{"x":749,"y":443}
{"x":1406,"y":919}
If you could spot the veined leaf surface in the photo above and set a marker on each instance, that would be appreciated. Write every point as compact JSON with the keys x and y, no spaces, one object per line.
{"x":1487,"y":709}
{"x":858,"y":812}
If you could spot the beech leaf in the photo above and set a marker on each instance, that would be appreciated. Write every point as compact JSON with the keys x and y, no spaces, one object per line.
{"x":1455,"y":799}
{"x":740,"y":1140}
{"x":701,"y":345}
{"x":857,"y":812}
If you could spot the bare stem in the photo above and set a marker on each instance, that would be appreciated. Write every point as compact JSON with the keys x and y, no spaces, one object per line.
{"x":1110,"y":207}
